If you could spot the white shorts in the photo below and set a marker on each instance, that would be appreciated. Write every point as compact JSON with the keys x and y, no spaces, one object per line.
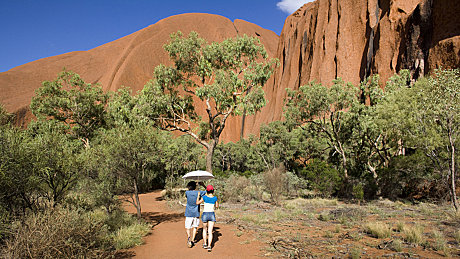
{"x":191,"y":222}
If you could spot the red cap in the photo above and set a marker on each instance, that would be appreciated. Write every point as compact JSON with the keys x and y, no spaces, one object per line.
{"x":209,"y":188}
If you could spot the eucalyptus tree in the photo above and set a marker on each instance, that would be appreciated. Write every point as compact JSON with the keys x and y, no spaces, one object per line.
{"x":133,"y":156}
{"x":216,"y":79}
{"x":324,"y":111}
{"x":426,"y":116}
{"x":68,"y":99}
{"x":18,"y":184}
{"x":54,"y":157}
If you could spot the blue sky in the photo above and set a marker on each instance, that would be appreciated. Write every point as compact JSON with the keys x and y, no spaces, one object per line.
{"x":34,"y":29}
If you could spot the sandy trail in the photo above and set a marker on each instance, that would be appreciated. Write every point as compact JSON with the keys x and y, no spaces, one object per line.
{"x":168,"y":238}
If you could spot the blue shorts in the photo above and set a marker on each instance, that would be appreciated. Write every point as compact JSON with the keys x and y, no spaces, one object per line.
{"x":208,"y":216}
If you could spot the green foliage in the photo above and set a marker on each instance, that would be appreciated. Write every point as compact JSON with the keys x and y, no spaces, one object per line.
{"x":234,"y":188}
{"x":133,"y":156}
{"x":132,"y":153}
{"x":426,"y":116}
{"x":180,"y":154}
{"x":322,"y":178}
{"x":18,"y":183}
{"x":358,"y":191}
{"x":68,"y":99}
{"x":55,"y":163}
{"x":242,"y":156}
{"x":122,"y":109}
{"x":324,"y":111}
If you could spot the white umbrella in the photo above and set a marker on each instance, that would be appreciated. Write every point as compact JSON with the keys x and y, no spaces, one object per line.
{"x":198,"y":175}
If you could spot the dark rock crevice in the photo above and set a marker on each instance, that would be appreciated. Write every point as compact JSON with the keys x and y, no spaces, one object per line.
{"x":417,"y":40}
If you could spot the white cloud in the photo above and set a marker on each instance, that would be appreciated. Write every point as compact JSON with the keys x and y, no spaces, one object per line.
{"x":290,"y":6}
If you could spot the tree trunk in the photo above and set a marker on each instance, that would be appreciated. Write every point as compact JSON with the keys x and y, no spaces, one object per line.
{"x":344,"y":160}
{"x":137,"y":202}
{"x":452,"y":173}
{"x":209,"y":155}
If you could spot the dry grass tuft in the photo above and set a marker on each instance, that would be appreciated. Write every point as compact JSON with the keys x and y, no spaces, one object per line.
{"x":413,"y":234}
{"x":440,"y":243}
{"x":378,"y":229}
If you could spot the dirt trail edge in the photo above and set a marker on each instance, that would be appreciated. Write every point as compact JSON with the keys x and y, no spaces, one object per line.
{"x":168,"y":238}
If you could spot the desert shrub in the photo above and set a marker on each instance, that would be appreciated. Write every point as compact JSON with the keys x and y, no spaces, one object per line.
{"x":295,"y":185}
{"x":275,"y":182}
{"x":378,"y":229}
{"x":412,"y":175}
{"x":114,"y":220}
{"x":324,"y":217}
{"x":234,"y":188}
{"x":58,"y":233}
{"x":358,"y":191}
{"x":238,"y":188}
{"x":400,"y":226}
{"x":323,"y":178}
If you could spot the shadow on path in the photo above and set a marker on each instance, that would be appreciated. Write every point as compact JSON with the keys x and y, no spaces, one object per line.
{"x":156,"y":218}
{"x":215,"y":236}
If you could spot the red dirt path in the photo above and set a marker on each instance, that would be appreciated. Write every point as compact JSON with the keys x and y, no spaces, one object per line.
{"x":168,"y":238}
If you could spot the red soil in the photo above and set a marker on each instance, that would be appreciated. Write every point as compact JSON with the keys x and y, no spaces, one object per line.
{"x":168,"y":238}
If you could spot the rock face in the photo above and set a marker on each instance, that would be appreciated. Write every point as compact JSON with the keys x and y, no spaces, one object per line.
{"x":321,"y":41}
{"x":353,"y":39}
{"x":128,"y":61}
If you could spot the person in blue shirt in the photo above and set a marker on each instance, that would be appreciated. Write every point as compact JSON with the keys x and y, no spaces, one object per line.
{"x":208,"y":217}
{"x":192,"y":211}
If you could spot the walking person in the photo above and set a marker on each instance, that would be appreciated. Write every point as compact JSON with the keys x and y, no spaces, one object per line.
{"x":208,"y":217}
{"x":192,"y":211}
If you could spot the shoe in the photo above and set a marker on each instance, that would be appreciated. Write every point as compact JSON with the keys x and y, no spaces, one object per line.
{"x":209,"y":249}
{"x":189,"y":243}
{"x":205,"y":246}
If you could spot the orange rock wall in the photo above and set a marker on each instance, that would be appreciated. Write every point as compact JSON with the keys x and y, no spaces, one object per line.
{"x":326,"y":39}
{"x":129,"y":61}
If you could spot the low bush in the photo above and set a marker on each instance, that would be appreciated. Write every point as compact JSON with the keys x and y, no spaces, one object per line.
{"x":295,"y":185}
{"x":4,"y":224}
{"x":234,"y":188}
{"x":275,"y":182}
{"x":238,"y":188}
{"x":70,"y":233}
{"x":58,"y":233}
{"x":323,"y":178}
